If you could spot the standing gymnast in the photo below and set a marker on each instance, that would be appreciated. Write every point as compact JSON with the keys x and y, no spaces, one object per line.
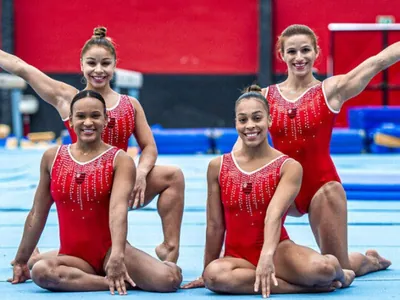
{"x":249,"y":192}
{"x":303,"y":112}
{"x":126,"y":116}
{"x":90,"y":182}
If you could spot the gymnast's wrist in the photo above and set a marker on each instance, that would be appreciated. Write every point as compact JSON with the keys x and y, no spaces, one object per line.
{"x":117,"y":254}
{"x":142,"y":172}
{"x":267,"y":253}
{"x":18,"y":260}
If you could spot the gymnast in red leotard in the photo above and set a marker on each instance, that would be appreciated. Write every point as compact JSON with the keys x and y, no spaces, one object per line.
{"x":245,"y":197}
{"x":121,"y":124}
{"x":303,"y":112}
{"x":291,"y":137}
{"x":90,"y":182}
{"x":126,"y":117}
{"x":249,"y":192}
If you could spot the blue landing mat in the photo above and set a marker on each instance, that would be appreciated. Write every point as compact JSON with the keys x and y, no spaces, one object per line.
{"x":365,"y":177}
{"x":191,"y":261}
{"x":358,"y":215}
{"x":384,"y":290}
{"x":193,"y":234}
{"x":372,"y":225}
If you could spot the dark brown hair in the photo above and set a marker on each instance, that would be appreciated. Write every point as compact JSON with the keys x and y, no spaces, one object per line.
{"x":296,"y":29}
{"x":253,"y":91}
{"x":88,"y":94}
{"x":99,"y":39}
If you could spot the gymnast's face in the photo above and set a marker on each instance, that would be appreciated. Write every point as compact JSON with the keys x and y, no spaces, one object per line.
{"x":299,"y":54}
{"x":98,"y":67}
{"x":252,"y":121}
{"x":88,"y":119}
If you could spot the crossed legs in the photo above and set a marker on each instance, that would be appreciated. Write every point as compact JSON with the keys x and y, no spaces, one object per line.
{"x":298,"y":270}
{"x":72,"y":274}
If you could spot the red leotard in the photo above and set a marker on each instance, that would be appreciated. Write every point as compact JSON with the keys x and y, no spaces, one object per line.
{"x":302,"y":129}
{"x":245,"y":197}
{"x":81,"y":192}
{"x":121,"y":124}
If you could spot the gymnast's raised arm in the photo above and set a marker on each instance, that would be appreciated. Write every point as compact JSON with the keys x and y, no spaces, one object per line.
{"x":56,"y":93}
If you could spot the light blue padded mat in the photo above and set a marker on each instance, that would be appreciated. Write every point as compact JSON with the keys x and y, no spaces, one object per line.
{"x":367,"y":177}
{"x":372,"y":224}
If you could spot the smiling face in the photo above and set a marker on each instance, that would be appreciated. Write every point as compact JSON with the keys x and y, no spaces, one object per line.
{"x":88,"y":119}
{"x":299,"y":54}
{"x":252,"y":121}
{"x":98,"y":67}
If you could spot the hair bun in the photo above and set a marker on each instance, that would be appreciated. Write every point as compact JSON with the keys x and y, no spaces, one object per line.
{"x":253,"y":88}
{"x":100,"y":32}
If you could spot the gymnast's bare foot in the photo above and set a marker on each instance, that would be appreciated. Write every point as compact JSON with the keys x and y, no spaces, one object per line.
{"x":336,"y":285}
{"x":167,"y":253}
{"x":349,"y":276}
{"x":381,"y":261}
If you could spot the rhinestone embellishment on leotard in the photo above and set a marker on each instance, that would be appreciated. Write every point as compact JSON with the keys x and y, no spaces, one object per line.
{"x":111,"y":123}
{"x":121,"y":123}
{"x":248,"y":193}
{"x":295,"y":121}
{"x":246,"y":187}
{"x":80,"y":185}
{"x":80,"y":177}
{"x":292,"y":112}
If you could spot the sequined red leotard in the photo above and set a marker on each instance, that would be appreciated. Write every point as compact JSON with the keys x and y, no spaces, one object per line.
{"x":302,"y":129}
{"x":245,"y":197}
{"x":121,"y":124}
{"x":81,"y":192}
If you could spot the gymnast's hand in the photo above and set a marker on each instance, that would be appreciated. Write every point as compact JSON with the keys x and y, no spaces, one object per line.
{"x":265,"y":272}
{"x":117,"y":275}
{"x":137,"y":197}
{"x":21,"y":273}
{"x":197,"y":283}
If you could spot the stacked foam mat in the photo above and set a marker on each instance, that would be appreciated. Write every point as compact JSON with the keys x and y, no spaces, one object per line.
{"x":372,"y":191}
{"x":381,"y":125}
{"x":221,"y":140}
{"x":347,"y":141}
{"x":183,"y":141}
{"x":371,"y":129}
{"x":65,"y":137}
{"x":382,"y":129}
{"x":386,"y":139}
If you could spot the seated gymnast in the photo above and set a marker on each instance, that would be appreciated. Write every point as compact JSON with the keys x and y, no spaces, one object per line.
{"x":90,"y":182}
{"x":249,"y":193}
{"x":98,"y":61}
